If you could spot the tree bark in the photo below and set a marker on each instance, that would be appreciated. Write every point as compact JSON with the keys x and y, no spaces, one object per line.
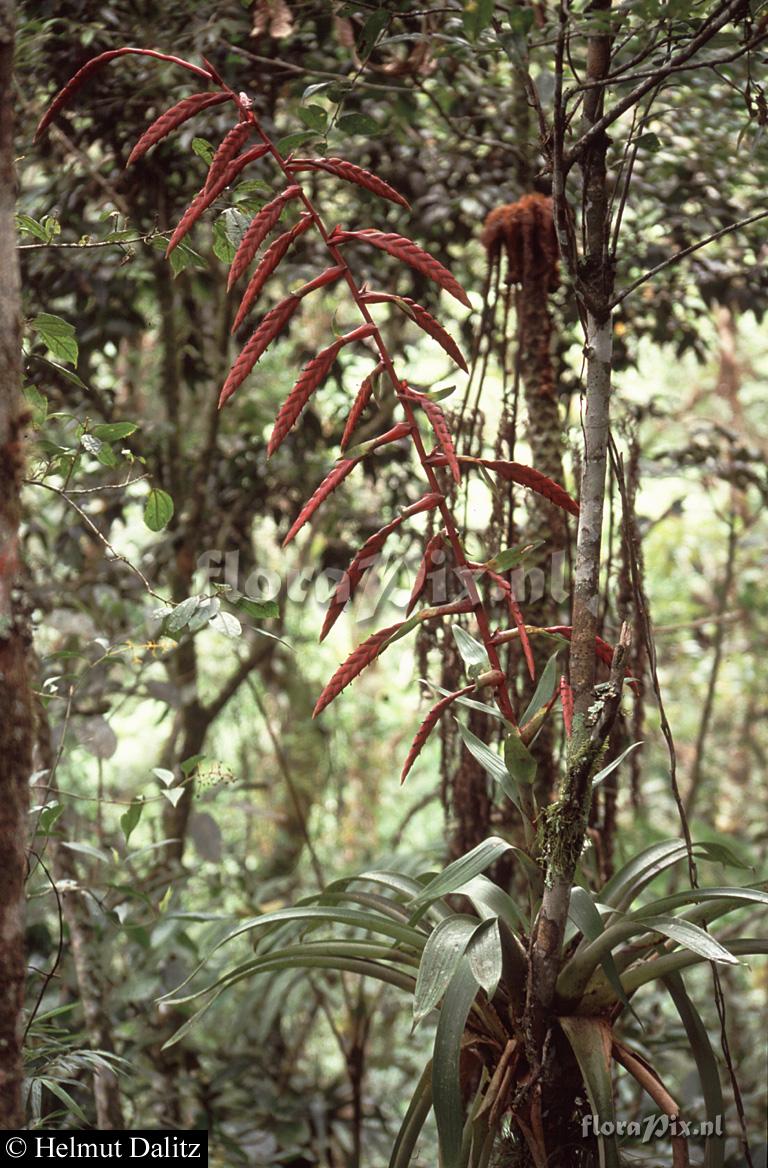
{"x":15,"y":701}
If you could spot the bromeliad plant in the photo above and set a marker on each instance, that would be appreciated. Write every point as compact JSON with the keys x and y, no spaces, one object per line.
{"x":528,"y":1003}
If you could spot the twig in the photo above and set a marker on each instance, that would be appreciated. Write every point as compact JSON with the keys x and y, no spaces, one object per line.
{"x":679,"y":255}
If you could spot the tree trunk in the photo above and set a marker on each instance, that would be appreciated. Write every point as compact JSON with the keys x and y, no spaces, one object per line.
{"x":15,"y":702}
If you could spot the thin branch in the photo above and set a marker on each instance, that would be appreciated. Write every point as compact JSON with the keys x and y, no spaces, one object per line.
{"x":686,"y":251}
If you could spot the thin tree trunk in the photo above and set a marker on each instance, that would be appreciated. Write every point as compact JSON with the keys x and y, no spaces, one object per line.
{"x":15,"y":701}
{"x":567,"y":819}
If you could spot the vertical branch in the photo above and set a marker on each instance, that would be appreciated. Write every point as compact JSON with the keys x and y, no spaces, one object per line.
{"x":15,"y":699}
{"x":566,"y":821}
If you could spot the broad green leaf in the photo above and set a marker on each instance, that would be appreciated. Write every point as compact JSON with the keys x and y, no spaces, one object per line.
{"x":203,"y":149}
{"x":129,"y":819}
{"x":357,"y":124}
{"x":446,"y":1058}
{"x":441,"y":954}
{"x":544,"y":690}
{"x":206,"y":611}
{"x":158,"y":509}
{"x":226,"y":623}
{"x":485,"y":956}
{"x":57,"y":335}
{"x":291,"y":141}
{"x":114,"y":431}
{"x":590,"y":1040}
{"x":258,"y":609}
{"x":173,"y":795}
{"x":182,"y":614}
{"x":314,"y":116}
{"x":608,"y":770}
{"x":462,"y":870}
{"x":166,"y":777}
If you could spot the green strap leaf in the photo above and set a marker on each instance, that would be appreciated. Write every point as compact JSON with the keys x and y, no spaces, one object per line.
{"x":415,"y":1118}
{"x":462,"y":870}
{"x":485,"y":955}
{"x":441,"y":955}
{"x":446,"y":1087}
{"x":706,"y":1063}
{"x":544,"y":690}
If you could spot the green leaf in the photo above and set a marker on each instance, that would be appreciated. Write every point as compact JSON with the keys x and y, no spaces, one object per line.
{"x":64,"y":1096}
{"x":291,"y":141}
{"x":114,"y":431}
{"x":48,"y":817}
{"x":485,"y":956}
{"x":726,"y":894}
{"x":473,"y":654}
{"x":26,"y":224}
{"x":487,"y":758}
{"x":415,"y":1118}
{"x":37,"y":402}
{"x":314,"y":116}
{"x":173,"y":795}
{"x":585,"y":915}
{"x":258,"y":609}
{"x":476,"y":17}
{"x":607,"y":770}
{"x":544,"y":690}
{"x":446,"y":1059}
{"x":706,"y":1064}
{"x":57,"y":335}
{"x":357,"y":124}
{"x":519,"y":761}
{"x":166,"y":777}
{"x":511,"y":557}
{"x":182,"y":614}
{"x":491,"y":901}
{"x":650,"y":142}
{"x":462,"y":870}
{"x":129,"y":819}
{"x":158,"y":509}
{"x":372,"y":30}
{"x":444,"y":947}
{"x":309,"y":915}
{"x":590,"y":1040}
{"x":691,"y":937}
{"x":226,"y":623}
{"x":203,"y":149}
